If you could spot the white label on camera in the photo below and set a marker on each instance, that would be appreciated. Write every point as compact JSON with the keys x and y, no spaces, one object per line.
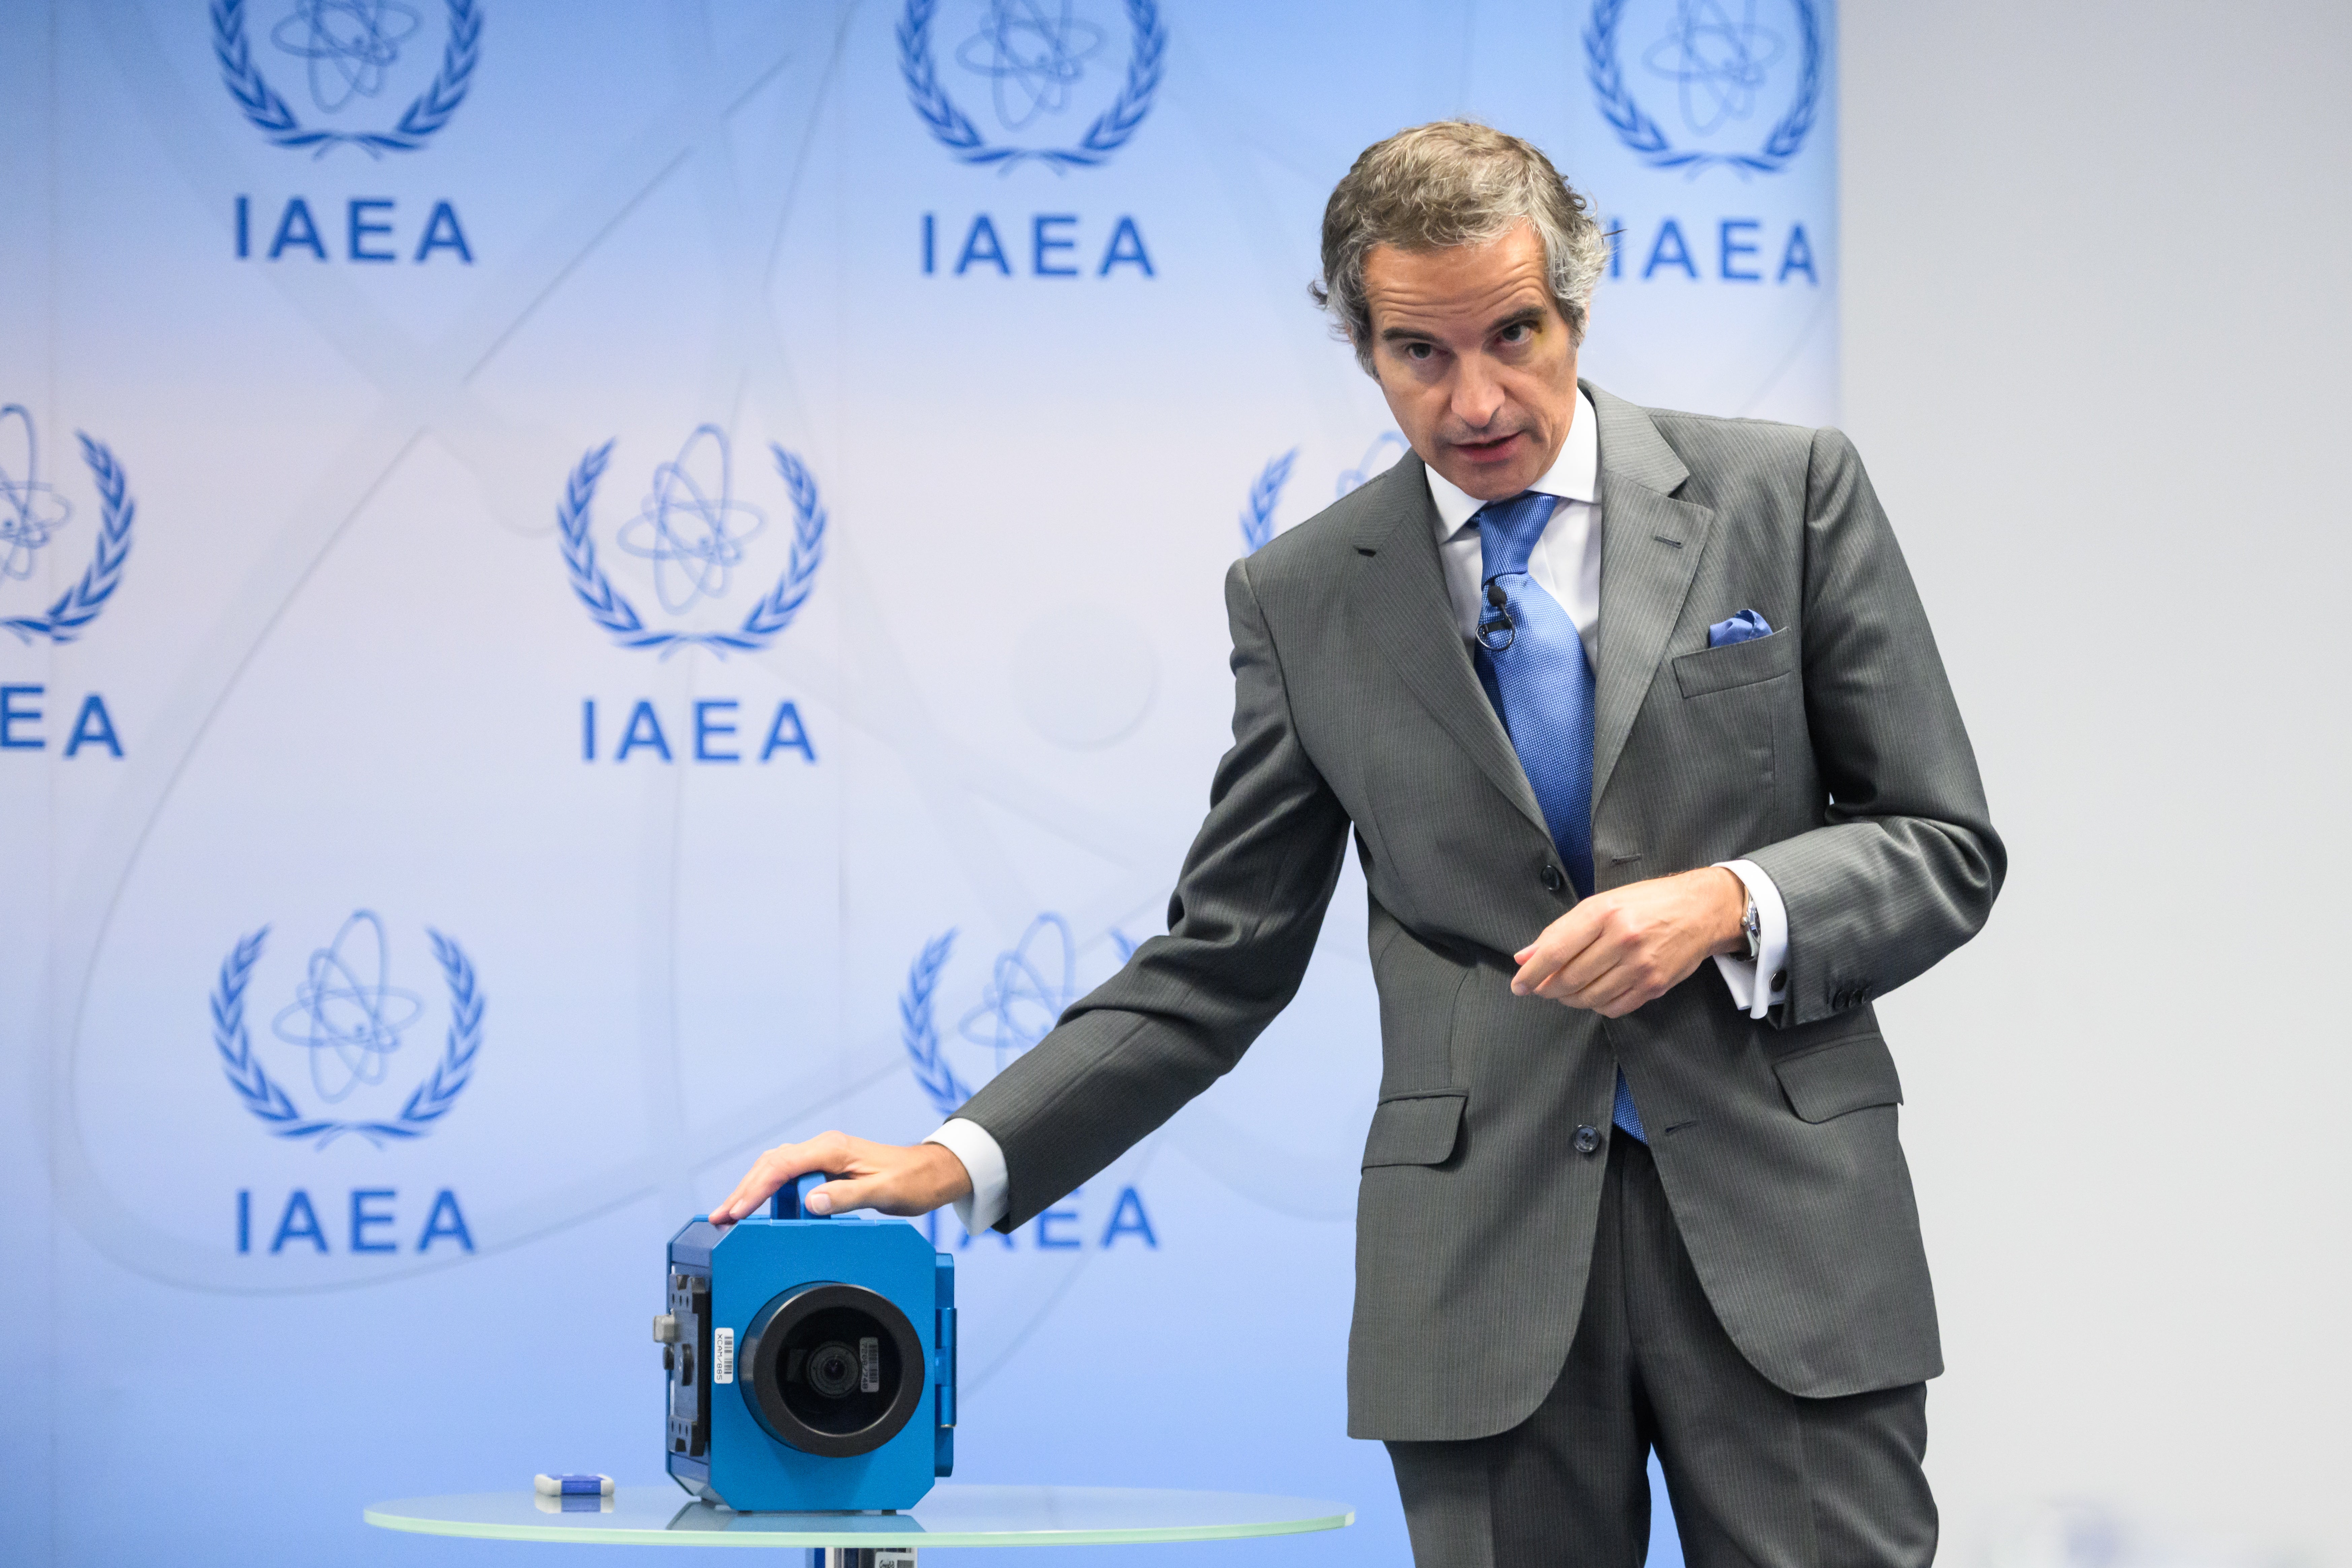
{"x":869,"y":1366}
{"x":722,"y":1355}
{"x":894,"y":1557}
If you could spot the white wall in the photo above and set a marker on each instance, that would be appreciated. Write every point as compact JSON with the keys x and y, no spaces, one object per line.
{"x":2096,"y":341}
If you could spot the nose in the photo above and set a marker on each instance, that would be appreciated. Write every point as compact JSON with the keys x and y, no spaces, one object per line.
{"x":1477,"y":396}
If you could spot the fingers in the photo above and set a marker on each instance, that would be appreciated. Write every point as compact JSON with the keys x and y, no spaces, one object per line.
{"x":894,"y":1180}
{"x":1594,"y":993}
{"x":1561,"y":942}
{"x":863,"y":1175}
{"x":1615,"y":994}
{"x":1576,"y":953}
{"x":749,"y":1193}
{"x":1596,"y":971}
{"x":840,"y":1197}
{"x":785,"y":1162}
{"x":1613,"y":953}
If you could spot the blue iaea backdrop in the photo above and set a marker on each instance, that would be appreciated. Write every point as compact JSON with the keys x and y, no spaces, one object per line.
{"x":588,"y":588}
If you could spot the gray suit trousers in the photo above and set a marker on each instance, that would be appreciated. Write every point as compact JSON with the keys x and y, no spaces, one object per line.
{"x":1757,"y":1475}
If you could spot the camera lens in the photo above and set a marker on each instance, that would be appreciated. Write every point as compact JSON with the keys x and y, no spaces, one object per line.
{"x":842,"y":1368}
{"x":832,"y":1369}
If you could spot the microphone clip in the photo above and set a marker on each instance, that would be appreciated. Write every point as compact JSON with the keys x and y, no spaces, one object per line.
{"x":1497,"y":623}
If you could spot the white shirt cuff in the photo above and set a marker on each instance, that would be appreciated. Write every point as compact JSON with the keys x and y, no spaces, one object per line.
{"x":984,"y":1162}
{"x":1772,"y":945}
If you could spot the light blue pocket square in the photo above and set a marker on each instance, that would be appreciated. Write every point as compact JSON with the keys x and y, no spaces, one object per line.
{"x":1744,"y":626}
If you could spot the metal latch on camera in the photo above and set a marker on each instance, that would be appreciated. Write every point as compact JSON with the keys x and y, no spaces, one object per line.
{"x":665,"y":1329}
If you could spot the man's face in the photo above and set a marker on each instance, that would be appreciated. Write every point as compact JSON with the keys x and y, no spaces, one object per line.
{"x":1474,"y":358}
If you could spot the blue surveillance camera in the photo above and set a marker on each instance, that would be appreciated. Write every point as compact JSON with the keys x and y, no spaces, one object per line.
{"x":811,"y":1361}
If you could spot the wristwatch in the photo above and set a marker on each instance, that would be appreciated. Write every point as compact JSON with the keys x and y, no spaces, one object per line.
{"x":1751,"y":926}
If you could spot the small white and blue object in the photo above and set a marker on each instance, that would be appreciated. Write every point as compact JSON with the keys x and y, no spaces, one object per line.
{"x":810,"y":1360}
{"x":572,"y":1494}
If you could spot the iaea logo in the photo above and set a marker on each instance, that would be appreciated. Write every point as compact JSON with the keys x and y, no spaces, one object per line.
{"x":1733,"y":66}
{"x":349,"y":52}
{"x":347,"y":1018}
{"x":691,"y":530}
{"x":1033,"y":57}
{"x":33,"y":515}
{"x":1028,"y":987}
{"x":1265,"y":491}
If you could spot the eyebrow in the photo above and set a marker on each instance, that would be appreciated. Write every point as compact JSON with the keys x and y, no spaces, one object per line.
{"x":1530,"y":315}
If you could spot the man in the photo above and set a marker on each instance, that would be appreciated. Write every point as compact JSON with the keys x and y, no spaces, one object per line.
{"x":1600,"y":693}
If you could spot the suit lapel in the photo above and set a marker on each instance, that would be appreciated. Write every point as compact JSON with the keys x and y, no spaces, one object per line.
{"x":1401,"y":604}
{"x":1650,"y":548}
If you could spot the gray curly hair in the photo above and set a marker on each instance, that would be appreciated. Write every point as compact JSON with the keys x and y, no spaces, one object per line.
{"x":1453,"y":182}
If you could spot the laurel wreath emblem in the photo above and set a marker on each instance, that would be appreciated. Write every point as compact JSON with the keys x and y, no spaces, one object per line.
{"x":262,"y":1096}
{"x":271,"y":115}
{"x":79,"y":605}
{"x":1642,"y":133}
{"x":920,"y":1030}
{"x":610,"y":609}
{"x":955,"y":131}
{"x":1266,"y":494}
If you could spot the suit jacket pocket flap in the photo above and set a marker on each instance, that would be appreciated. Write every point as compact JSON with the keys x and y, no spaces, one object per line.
{"x":1415,"y":1129}
{"x":1735,"y":664}
{"x":1845,"y":1075}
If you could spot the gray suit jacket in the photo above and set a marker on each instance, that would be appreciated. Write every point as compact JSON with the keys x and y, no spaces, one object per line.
{"x":1831,"y":754}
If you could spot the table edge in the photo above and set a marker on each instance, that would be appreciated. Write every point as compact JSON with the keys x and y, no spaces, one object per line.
{"x":373,"y":1514}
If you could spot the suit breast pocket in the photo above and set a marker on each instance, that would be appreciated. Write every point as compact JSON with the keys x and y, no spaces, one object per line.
{"x":1736,"y":665}
{"x":1731,"y":697}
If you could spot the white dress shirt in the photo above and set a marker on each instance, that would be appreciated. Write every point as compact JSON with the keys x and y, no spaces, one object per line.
{"x":1566,"y":562}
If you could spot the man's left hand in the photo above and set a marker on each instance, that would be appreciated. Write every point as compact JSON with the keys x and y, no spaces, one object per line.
{"x":1619,"y":949}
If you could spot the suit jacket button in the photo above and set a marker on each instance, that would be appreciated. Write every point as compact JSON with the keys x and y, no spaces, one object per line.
{"x":1588,"y":1140}
{"x":1552,"y":881}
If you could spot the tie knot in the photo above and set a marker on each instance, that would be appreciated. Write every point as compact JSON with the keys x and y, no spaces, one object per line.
{"x":1508,"y":529}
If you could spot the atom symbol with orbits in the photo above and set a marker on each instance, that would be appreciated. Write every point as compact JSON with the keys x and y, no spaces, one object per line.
{"x":686,"y":525}
{"x":1028,"y":991}
{"x":1030,"y":56}
{"x":30,"y":512}
{"x":347,"y":44}
{"x":1715,"y":64}
{"x":338,"y":1013}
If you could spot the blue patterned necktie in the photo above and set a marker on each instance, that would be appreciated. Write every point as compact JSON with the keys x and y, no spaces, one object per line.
{"x":1532,"y":664}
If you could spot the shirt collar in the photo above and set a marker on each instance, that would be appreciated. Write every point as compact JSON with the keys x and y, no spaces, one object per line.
{"x":1574,"y":476}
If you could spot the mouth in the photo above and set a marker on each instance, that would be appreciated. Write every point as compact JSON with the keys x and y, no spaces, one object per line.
{"x":1491,"y":450}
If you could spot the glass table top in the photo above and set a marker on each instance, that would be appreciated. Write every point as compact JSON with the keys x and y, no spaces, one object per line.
{"x":658,"y":1514}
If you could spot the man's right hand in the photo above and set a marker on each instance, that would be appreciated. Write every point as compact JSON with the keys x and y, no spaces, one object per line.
{"x":886,"y":1177}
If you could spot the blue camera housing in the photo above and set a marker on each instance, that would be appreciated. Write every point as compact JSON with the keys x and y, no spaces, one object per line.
{"x":755,"y":1324}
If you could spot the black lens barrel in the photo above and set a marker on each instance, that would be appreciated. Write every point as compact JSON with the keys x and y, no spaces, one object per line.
{"x":811,"y":1380}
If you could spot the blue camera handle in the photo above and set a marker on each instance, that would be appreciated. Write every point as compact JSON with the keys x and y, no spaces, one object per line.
{"x":787,"y":1205}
